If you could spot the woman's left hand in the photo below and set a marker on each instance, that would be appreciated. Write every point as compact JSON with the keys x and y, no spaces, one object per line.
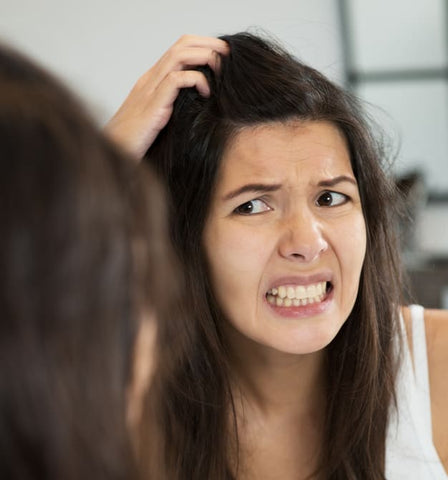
{"x":149,"y":105}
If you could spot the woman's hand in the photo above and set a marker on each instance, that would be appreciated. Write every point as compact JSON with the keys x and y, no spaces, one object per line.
{"x":149,"y":105}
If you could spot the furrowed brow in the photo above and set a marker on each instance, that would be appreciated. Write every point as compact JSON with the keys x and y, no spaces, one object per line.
{"x":252,"y":187}
{"x":336,"y":180}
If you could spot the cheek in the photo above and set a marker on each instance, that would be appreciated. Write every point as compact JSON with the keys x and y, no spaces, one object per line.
{"x":233,"y":252}
{"x":352,"y":249}
{"x":361,"y":240}
{"x":236,"y":261}
{"x":348,"y":240}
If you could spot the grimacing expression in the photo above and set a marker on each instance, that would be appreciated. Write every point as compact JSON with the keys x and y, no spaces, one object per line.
{"x":285,"y":237}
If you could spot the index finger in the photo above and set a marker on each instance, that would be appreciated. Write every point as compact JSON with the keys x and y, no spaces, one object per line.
{"x":213,"y":43}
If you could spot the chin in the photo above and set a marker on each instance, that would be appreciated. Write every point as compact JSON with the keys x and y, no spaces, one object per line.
{"x":304,"y":341}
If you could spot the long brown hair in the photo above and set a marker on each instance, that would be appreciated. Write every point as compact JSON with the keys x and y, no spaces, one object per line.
{"x":83,"y":252}
{"x":259,"y":82}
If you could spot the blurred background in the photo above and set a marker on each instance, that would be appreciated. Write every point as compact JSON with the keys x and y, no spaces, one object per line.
{"x":391,"y":53}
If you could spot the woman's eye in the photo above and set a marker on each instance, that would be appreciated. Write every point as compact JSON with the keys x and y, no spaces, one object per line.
{"x":252,"y":207}
{"x":331,"y":199}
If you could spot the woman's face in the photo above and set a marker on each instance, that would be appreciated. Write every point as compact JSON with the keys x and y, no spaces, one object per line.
{"x":285,"y":238}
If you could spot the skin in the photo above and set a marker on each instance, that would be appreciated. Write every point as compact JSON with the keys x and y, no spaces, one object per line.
{"x":436,"y":326}
{"x":296,"y":231}
{"x":143,"y":368}
{"x":289,"y":238}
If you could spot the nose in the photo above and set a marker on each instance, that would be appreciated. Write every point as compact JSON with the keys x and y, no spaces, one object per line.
{"x":302,"y":238}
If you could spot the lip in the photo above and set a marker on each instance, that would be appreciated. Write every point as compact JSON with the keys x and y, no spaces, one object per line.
{"x":303,"y":311}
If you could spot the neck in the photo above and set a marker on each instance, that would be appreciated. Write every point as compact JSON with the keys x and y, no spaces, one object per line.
{"x":279,"y":401}
{"x":273,"y":382}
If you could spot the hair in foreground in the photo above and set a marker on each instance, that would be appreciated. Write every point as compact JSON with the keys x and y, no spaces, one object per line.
{"x":260,"y":83}
{"x":81,"y":238}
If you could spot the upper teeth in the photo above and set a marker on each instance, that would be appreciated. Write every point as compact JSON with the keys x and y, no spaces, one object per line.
{"x":299,"y":292}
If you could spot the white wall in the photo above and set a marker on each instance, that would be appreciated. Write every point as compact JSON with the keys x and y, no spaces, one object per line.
{"x":100,"y":47}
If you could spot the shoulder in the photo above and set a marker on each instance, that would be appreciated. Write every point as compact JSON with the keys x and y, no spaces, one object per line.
{"x":436,"y":323}
{"x":437,"y":320}
{"x":436,"y":327}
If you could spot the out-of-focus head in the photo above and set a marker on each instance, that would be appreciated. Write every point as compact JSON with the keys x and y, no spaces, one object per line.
{"x":84,"y":266}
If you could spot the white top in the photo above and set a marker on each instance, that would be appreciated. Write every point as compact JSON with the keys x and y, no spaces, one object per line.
{"x":410,"y":451}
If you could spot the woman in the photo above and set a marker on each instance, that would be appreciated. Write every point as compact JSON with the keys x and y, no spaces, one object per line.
{"x":283,"y":216}
{"x":85,"y":271}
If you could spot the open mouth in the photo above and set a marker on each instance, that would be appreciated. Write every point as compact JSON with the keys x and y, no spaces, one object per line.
{"x":298,"y":295}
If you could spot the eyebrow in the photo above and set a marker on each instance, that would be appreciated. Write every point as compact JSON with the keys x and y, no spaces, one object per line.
{"x":334,"y":181}
{"x":252,"y":187}
{"x":266,"y":188}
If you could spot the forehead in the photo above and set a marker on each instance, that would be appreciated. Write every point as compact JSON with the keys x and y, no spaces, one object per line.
{"x":286,"y":152}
